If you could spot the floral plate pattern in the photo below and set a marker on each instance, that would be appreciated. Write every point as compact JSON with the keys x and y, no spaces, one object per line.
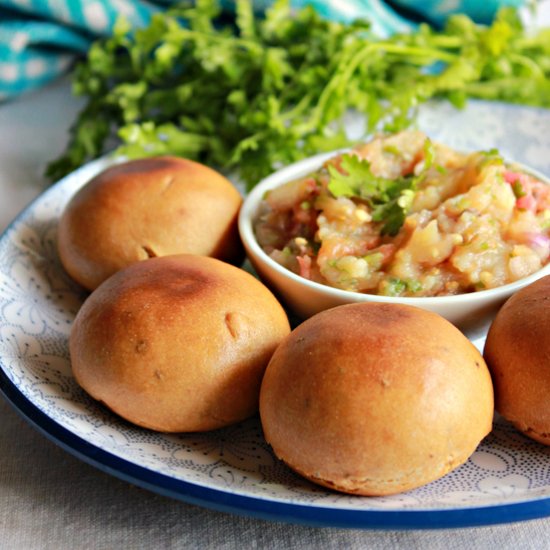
{"x":233,"y":469}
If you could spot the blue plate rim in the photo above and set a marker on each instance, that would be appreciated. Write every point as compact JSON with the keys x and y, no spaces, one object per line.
{"x":243,"y":505}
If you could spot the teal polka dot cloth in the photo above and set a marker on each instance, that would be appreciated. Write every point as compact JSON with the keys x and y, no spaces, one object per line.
{"x":39,"y":39}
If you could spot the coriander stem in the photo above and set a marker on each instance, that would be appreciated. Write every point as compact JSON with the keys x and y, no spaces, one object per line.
{"x":415,"y":51}
{"x":446,"y":41}
{"x":301,"y":106}
{"x":231,"y":40}
{"x":528,"y":63}
{"x":350,"y":63}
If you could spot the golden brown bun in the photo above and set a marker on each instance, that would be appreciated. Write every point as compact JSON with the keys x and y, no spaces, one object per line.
{"x":517,"y":351}
{"x":375,"y":399}
{"x":146,"y":208}
{"x":177,"y":344}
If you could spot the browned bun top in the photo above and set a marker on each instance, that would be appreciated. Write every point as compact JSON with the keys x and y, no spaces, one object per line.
{"x":517,"y":351}
{"x":178,"y":343}
{"x":146,"y":208}
{"x":375,"y":398}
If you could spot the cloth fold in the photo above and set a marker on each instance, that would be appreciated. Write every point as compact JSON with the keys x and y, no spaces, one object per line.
{"x":39,"y":39}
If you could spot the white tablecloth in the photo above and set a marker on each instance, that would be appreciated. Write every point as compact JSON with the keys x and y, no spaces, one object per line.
{"x":49,"y":499}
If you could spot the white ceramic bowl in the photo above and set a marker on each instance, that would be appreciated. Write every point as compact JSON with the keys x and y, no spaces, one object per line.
{"x":306,"y":298}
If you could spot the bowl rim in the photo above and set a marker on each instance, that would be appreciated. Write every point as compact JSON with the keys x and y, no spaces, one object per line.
{"x":305,"y":166}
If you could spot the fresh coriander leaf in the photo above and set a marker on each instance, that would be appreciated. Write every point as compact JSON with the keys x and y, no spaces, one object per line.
{"x":429,"y":155}
{"x":392,"y":214}
{"x":355,"y":179}
{"x":389,"y":199}
{"x":492,"y":156}
{"x":258,"y":92}
{"x":518,"y":190}
{"x":245,"y":19}
{"x":394,"y":287}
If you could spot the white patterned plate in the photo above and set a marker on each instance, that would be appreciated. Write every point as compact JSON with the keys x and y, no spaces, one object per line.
{"x":506,"y":479}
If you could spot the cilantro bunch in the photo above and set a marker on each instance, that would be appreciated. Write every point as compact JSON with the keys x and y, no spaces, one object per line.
{"x":248,"y":94}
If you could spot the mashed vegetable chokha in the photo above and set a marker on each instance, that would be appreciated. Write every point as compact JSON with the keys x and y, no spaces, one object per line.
{"x":404,"y":216}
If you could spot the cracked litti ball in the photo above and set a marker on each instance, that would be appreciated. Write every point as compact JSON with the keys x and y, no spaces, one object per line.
{"x":178,"y":343}
{"x":375,"y":399}
{"x":147,"y":208}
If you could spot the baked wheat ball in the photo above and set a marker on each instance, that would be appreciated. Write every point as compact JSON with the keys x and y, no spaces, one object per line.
{"x":178,"y":343}
{"x":517,"y":351}
{"x":147,"y":208}
{"x":375,"y":399}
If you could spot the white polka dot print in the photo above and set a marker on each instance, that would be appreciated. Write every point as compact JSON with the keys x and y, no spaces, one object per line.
{"x":8,"y":72}
{"x":35,"y":67}
{"x":19,"y":41}
{"x":95,"y":16}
